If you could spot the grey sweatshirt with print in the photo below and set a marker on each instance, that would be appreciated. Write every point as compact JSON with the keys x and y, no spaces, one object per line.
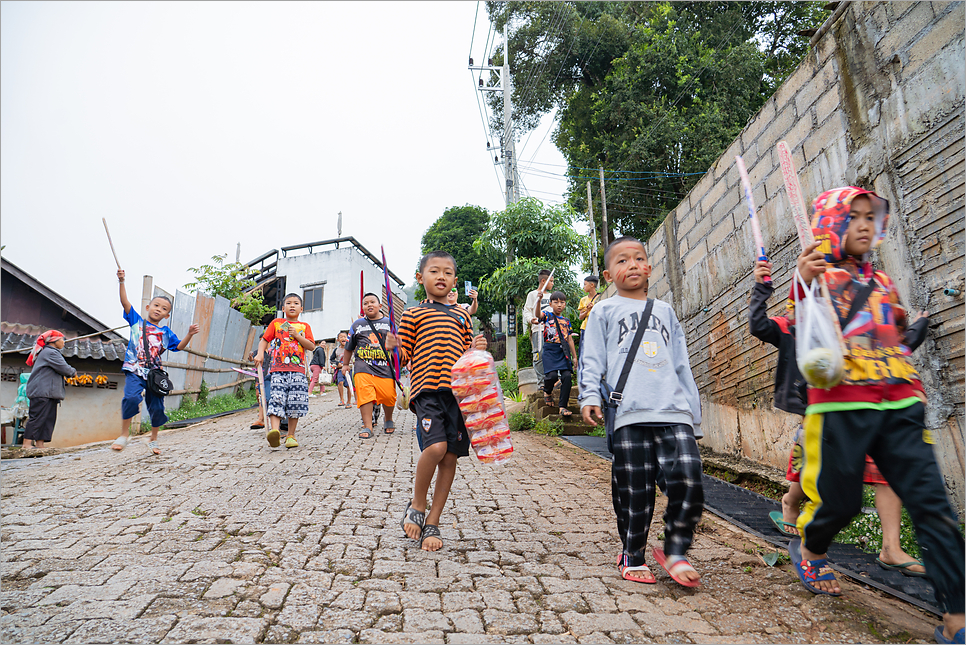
{"x":660,"y":387}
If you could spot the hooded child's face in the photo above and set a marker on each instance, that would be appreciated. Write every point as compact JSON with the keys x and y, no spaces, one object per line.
{"x":861,"y":232}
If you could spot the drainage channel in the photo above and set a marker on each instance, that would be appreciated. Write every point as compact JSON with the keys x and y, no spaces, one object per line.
{"x":749,"y":511}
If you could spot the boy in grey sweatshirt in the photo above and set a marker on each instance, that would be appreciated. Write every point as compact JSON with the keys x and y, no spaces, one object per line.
{"x":657,"y":420}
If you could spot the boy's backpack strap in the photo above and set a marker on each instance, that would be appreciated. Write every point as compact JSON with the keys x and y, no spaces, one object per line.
{"x":861,"y":297}
{"x":449,"y":311}
{"x":563,"y":346}
{"x":617,"y":394}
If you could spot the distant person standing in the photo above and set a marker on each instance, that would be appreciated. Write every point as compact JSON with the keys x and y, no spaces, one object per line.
{"x":586,"y":304}
{"x":345,"y":394}
{"x":45,"y":388}
{"x":538,"y":300}
{"x":316,"y":365}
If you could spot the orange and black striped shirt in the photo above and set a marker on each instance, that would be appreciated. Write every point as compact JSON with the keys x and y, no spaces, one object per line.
{"x":432,"y":337}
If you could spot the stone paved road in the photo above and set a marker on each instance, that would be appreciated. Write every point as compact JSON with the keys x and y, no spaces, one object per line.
{"x":223,"y":539}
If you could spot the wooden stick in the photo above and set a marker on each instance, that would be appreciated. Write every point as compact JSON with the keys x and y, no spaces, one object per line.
{"x":211,"y":389}
{"x":794,"y":190}
{"x":111,"y":243}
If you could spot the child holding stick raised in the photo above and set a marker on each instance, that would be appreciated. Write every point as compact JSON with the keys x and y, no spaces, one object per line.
{"x":149,"y":339}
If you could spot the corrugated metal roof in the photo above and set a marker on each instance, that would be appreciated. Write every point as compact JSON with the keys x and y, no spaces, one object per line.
{"x":83,"y":348}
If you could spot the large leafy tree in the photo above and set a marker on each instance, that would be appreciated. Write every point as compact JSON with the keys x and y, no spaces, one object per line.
{"x":532,"y":236}
{"x":454,"y":232}
{"x":654,"y":92}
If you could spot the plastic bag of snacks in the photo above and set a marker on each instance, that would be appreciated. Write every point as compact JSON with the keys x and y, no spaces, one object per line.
{"x":477,"y":389}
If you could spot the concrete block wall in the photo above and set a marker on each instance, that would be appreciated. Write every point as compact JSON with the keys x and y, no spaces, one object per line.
{"x":877,"y":102}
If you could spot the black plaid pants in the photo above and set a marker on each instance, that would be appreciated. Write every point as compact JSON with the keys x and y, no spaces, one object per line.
{"x":666,"y":455}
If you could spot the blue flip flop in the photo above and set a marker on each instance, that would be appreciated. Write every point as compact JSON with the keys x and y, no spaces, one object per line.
{"x":960,"y":636}
{"x":810,"y":571}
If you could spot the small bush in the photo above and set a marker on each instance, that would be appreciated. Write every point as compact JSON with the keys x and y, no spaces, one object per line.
{"x":598,"y":431}
{"x":203,"y":393}
{"x":521,"y":421}
{"x":549,"y":428}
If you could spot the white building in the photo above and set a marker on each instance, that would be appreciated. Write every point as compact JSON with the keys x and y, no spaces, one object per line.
{"x":331,"y":277}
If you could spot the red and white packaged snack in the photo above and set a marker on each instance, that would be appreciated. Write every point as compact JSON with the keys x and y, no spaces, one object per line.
{"x":494,"y":453}
{"x":479,"y":402}
{"x":493,"y":434}
{"x":477,"y":389}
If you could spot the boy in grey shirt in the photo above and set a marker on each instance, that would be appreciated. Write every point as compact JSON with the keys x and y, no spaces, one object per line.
{"x":657,"y":420}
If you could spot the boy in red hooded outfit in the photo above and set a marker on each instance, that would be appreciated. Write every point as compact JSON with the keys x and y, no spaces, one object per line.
{"x":877,"y":408}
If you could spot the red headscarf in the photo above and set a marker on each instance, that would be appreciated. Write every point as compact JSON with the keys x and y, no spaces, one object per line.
{"x":47,"y":337}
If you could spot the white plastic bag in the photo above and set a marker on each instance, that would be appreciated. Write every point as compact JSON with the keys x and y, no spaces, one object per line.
{"x":477,"y":389}
{"x":817,"y":349}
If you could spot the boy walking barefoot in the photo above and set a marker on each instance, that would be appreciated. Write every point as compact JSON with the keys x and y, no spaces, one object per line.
{"x":290,"y":387}
{"x":557,"y":361}
{"x":373,"y":378}
{"x":432,"y":337}
{"x":137,"y":364}
{"x":874,"y":410}
{"x":657,"y":418}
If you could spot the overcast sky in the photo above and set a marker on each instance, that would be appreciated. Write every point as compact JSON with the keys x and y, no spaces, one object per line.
{"x":194,"y":126}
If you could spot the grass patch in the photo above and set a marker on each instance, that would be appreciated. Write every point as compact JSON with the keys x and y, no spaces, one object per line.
{"x":213,"y":405}
{"x":598,"y":431}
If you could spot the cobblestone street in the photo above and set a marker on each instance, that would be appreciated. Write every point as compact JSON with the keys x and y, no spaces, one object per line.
{"x":222,"y":539}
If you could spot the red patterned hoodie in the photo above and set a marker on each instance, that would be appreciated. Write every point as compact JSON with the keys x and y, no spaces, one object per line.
{"x":878,"y":373}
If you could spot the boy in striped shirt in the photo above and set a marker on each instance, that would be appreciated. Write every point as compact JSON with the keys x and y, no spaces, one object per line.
{"x":432,"y":337}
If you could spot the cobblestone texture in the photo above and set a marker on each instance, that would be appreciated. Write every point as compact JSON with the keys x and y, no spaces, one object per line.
{"x":223,"y":539}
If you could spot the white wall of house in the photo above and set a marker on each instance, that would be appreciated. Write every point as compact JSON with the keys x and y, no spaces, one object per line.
{"x":340,"y":269}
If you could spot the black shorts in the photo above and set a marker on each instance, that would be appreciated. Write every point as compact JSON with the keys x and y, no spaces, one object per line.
{"x":438,"y":419}
{"x":41,"y":420}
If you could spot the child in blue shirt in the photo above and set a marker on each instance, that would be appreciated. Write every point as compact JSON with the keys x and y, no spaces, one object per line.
{"x":136,"y":365}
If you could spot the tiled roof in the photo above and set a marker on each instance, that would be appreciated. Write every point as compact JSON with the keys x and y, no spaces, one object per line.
{"x":83,"y":348}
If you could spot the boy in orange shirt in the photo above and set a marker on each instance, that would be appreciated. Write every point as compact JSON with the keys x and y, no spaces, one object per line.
{"x":290,"y":387}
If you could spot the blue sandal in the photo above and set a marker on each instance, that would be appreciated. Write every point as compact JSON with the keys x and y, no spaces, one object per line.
{"x":959,"y":637}
{"x":810,"y":571}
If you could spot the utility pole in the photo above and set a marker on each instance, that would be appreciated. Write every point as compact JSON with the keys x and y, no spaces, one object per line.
{"x":603,"y":208}
{"x":510,"y":172}
{"x":593,"y":233}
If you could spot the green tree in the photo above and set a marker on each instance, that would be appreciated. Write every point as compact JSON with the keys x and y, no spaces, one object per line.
{"x":230,"y":281}
{"x":536,"y":237}
{"x":653,"y":91}
{"x":454,"y":232}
